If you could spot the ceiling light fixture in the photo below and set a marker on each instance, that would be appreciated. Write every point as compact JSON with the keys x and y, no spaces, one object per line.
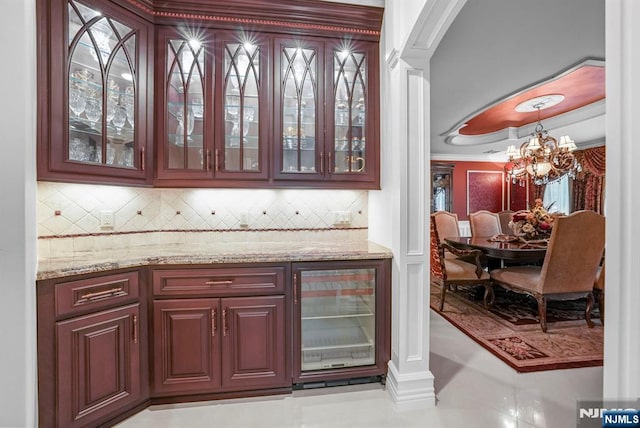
{"x":542,"y":158}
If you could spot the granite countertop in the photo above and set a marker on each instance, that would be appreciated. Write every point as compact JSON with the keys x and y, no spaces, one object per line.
{"x":245,"y":252}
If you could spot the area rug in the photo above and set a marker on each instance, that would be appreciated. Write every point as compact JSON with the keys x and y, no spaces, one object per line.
{"x":510,"y":329}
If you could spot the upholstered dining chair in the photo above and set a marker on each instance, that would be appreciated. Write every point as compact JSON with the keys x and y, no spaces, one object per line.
{"x":446,"y":224}
{"x":505,"y":217}
{"x":569,"y":267}
{"x":598,"y":291}
{"x":453,"y":271}
{"x":484,"y":223}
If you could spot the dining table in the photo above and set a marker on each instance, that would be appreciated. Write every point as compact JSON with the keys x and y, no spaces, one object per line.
{"x":514,"y":250}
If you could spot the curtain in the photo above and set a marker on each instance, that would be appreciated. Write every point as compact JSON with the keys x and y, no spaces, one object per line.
{"x":589,"y":184}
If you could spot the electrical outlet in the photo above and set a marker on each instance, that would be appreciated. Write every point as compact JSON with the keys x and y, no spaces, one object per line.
{"x":244,"y":218}
{"x":106,"y":219}
{"x":342,"y":217}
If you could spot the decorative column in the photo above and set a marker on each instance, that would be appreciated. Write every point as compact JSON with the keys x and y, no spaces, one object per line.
{"x":399,"y":213}
{"x":621,"y":339}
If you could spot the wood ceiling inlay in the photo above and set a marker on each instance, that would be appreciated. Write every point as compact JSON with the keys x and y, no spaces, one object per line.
{"x":580,"y":87}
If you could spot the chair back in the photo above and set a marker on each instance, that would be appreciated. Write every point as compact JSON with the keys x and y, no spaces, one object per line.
{"x":573,"y":254}
{"x":484,"y":223}
{"x":505,"y":217}
{"x":446,"y":224}
{"x":437,"y":254}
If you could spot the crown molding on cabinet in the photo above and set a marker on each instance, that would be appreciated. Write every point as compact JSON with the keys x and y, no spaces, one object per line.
{"x":303,"y":16}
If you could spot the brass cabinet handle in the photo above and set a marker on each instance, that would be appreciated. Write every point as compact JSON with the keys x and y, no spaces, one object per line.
{"x":208,"y":160}
{"x":214,"y":327}
{"x":142,"y":161}
{"x":217,"y":165}
{"x":225,"y":324}
{"x":321,"y":162}
{"x":113,"y":292}
{"x":135,"y":329}
{"x":223,"y":282}
{"x":295,"y":288}
{"x":329,"y":166}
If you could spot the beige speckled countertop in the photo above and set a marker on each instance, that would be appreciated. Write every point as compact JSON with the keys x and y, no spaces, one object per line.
{"x":245,"y":252}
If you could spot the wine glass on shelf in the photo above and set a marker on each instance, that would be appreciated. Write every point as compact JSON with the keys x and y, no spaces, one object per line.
{"x":248,"y":118}
{"x":180,"y":127}
{"x":190,"y":124}
{"x":77,"y":101}
{"x":198,"y":107}
{"x":93,"y":111}
{"x":130,"y":114}
{"x":111,"y":110}
{"x":119,"y":119}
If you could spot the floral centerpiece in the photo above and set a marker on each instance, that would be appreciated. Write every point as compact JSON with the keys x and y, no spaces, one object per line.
{"x":535,"y":223}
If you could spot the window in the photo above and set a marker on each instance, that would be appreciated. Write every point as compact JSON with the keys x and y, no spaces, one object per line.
{"x":558,"y":193}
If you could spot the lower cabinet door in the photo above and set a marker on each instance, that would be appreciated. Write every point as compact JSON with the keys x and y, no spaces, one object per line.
{"x":98,"y":366}
{"x":186,"y":355}
{"x":254,"y":343}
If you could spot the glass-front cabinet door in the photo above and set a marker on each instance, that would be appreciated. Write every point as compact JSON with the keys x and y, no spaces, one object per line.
{"x":97,"y":92}
{"x":299,"y":115}
{"x":341,"y":317}
{"x":214,"y":106}
{"x":183,"y":106}
{"x":242,"y":151}
{"x":353,"y":113}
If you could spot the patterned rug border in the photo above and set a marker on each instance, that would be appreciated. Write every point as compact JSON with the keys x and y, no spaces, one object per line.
{"x":482,"y":341}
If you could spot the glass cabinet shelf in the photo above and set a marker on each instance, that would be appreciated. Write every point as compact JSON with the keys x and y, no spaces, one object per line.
{"x":334,"y":343}
{"x":327,"y":307}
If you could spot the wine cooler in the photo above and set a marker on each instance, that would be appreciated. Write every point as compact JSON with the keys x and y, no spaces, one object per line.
{"x":342,"y":320}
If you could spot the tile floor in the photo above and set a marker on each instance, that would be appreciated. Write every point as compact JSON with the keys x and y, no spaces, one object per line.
{"x":474,"y":389}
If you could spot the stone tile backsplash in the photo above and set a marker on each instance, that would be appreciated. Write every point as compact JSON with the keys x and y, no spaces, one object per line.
{"x":69,"y":215}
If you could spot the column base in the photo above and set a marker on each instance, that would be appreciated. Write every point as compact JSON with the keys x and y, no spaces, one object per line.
{"x":411,"y":389}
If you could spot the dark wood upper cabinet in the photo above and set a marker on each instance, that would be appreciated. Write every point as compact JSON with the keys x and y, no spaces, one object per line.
{"x":185,"y":94}
{"x":94,"y":97}
{"x":326,"y":124}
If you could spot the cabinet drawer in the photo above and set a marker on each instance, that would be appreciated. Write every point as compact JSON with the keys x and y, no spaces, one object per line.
{"x":220,"y":281}
{"x":95,"y":293}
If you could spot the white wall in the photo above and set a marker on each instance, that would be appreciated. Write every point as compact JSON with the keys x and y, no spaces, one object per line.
{"x":17,"y":214}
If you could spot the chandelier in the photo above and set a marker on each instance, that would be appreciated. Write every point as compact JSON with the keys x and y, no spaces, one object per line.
{"x":542,"y":158}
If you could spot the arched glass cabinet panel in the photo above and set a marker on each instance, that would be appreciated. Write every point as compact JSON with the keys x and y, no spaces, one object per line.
{"x":299,"y":103}
{"x":184,"y":123}
{"x":102,"y":94}
{"x":350,"y":85}
{"x":241,"y":108}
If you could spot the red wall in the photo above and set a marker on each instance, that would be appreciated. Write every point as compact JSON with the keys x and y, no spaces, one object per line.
{"x":460,"y":183}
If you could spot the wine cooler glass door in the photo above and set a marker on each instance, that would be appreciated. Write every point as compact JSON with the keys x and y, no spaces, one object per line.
{"x":338,"y":318}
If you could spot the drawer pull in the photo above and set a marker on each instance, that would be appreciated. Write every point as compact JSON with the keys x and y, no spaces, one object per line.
{"x":225,"y":324}
{"x":213,"y":322}
{"x":224,"y":282}
{"x":114,"y":292}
